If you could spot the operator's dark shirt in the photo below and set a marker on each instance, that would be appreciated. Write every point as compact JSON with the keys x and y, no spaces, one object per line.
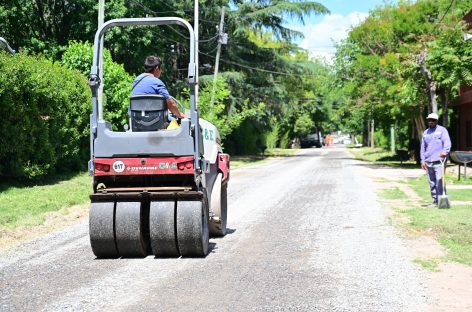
{"x":149,"y":85}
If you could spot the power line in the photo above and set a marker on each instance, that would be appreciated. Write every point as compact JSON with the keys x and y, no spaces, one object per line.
{"x":176,"y":11}
{"x":213,"y":50}
{"x":210,"y":39}
{"x":154,"y":12}
{"x":258,"y":69}
{"x":223,"y":60}
{"x":447,"y":10}
{"x":170,"y":26}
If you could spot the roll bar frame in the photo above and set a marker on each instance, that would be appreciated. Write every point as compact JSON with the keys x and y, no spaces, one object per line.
{"x":4,"y":43}
{"x":96,"y":72}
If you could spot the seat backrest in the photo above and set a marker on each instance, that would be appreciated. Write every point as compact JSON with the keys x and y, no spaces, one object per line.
{"x":148,"y":112}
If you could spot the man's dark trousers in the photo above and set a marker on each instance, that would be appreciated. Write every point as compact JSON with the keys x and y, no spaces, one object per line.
{"x":435,"y":176}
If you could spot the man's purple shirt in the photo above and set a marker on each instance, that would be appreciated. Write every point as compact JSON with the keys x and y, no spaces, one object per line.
{"x":435,"y":141}
{"x":148,"y":84}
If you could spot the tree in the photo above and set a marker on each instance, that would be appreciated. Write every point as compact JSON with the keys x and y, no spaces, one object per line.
{"x":393,"y":65}
{"x":255,"y":63}
{"x":117,"y":82}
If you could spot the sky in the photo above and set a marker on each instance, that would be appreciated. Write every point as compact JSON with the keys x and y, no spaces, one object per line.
{"x":321,"y":32}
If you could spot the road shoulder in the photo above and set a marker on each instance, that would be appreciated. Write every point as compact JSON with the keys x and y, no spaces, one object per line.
{"x":449,"y":282}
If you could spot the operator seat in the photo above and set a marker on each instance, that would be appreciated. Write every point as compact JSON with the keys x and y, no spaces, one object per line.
{"x":147,"y":112}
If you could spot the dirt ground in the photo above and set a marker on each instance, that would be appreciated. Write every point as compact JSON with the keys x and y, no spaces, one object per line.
{"x":451,"y":285}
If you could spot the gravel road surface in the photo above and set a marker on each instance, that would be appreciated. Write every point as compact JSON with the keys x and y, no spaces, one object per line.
{"x":307,"y":234}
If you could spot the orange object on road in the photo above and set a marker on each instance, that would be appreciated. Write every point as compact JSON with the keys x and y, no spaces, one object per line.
{"x":329,"y":140}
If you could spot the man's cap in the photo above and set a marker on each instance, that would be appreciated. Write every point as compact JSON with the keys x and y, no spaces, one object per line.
{"x":433,"y":116}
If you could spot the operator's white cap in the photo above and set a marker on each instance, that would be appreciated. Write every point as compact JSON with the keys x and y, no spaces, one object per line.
{"x":433,"y":116}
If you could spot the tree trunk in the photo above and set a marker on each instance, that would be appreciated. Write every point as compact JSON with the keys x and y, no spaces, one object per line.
{"x":444,"y":99}
{"x":372,"y":134}
{"x":432,"y":85}
{"x":419,"y":126}
{"x":367,"y":138}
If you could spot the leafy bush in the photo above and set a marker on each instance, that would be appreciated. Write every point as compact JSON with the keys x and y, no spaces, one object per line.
{"x":117,"y":82}
{"x":285,"y":140}
{"x":246,"y":140}
{"x":303,"y":126}
{"x":226,"y":119}
{"x":272,"y":136}
{"x":44,"y":109}
{"x":381,"y":139}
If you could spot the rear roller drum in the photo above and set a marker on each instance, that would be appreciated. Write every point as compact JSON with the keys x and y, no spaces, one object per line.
{"x":192,"y":228}
{"x":218,"y":206}
{"x":162,"y":229}
{"x":102,"y":229}
{"x":130,"y":239}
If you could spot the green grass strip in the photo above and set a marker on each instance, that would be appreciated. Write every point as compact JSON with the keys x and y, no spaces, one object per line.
{"x":393,"y":193}
{"x":381,"y":156}
{"x":453,"y":228}
{"x":26,"y":205}
{"x":242,"y":161}
{"x":421,"y":187}
{"x":428,"y":264}
{"x":462,"y":195}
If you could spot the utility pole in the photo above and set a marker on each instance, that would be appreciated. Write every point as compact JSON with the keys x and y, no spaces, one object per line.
{"x":372,"y":132}
{"x":196,"y":25}
{"x":222,"y":39}
{"x":367,"y":139}
{"x":101,"y":20}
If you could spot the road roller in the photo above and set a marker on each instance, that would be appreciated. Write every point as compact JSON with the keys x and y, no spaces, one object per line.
{"x":155,"y":191}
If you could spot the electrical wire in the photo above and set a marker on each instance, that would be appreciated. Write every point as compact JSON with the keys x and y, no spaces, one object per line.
{"x":445,"y":13}
{"x":210,"y":39}
{"x":223,"y":60}
{"x":258,"y":69}
{"x":213,"y":50}
{"x":178,"y":11}
{"x":170,"y":26}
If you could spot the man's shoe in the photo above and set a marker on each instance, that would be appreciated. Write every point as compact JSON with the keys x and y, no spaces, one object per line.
{"x":434,"y":204}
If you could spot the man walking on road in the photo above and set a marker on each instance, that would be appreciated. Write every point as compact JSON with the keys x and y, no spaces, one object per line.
{"x":435,"y":145}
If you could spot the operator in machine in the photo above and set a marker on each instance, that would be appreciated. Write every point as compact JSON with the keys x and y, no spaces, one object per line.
{"x":149,"y":83}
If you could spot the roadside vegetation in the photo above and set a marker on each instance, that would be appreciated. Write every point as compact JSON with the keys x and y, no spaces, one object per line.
{"x":402,"y":62}
{"x":452,"y":228}
{"x":428,"y":264}
{"x":242,"y":161}
{"x":45,"y":100}
{"x":390,"y":71}
{"x":381,"y":156}
{"x":26,"y":204}
{"x":393,"y":193}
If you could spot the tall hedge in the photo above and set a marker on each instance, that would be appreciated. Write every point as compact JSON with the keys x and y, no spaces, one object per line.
{"x":117,"y":82}
{"x":44,"y":117}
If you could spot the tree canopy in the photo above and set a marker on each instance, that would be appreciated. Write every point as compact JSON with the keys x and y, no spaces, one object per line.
{"x":403,"y":62}
{"x":266,"y":81}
